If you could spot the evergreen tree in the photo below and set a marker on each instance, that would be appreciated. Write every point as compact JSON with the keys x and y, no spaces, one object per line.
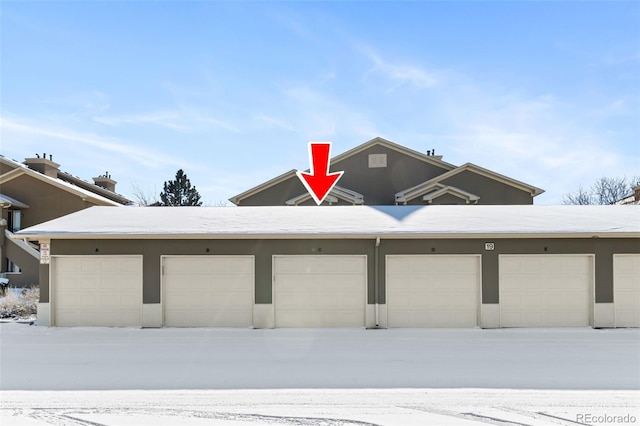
{"x":179,"y":192}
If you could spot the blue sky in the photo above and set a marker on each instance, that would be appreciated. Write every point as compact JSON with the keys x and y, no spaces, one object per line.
{"x":232,"y":92}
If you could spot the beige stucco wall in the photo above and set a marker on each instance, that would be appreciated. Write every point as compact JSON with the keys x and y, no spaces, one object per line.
{"x":46,"y":202}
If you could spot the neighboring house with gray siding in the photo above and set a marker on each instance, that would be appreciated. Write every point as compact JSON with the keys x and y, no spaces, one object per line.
{"x":37,"y":191}
{"x":380,"y":172}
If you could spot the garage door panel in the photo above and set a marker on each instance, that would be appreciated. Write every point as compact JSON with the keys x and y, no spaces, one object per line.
{"x":319,"y":264}
{"x":626,"y":283}
{"x":208,"y":291}
{"x":406,"y":266}
{"x":545,"y":290}
{"x":239,"y":300}
{"x":66,"y":265}
{"x":432,"y":290}
{"x":110,"y":265}
{"x":410,"y":283}
{"x":69,"y":301}
{"x":319,"y":282}
{"x":578,"y":264}
{"x":207,"y":317}
{"x":627,"y":264}
{"x":203,"y":283}
{"x":319,"y":291}
{"x":69,"y":282}
{"x":203,"y":265}
{"x":405,"y":300}
{"x":628,"y":299}
{"x":97,"y":290}
{"x":317,"y":318}
{"x":434,"y":318}
{"x":542,"y":318}
{"x":126,"y":284}
{"x":626,"y":289}
{"x":574,"y":283}
{"x":319,"y":300}
{"x":90,"y":266}
{"x":457,"y":283}
{"x":627,"y":317}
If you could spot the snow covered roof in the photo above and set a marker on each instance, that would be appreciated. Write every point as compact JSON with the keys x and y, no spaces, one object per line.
{"x":76,"y":190}
{"x":69,"y":183}
{"x":343,"y":222}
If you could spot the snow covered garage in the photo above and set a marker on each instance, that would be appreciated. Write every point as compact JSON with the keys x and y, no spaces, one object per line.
{"x":342,"y":266}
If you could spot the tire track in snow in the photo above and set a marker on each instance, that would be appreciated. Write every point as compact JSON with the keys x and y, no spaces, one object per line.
{"x":538,"y":415}
{"x":62,"y":419}
{"x":55,"y":417}
{"x":495,"y":420}
{"x":562,"y":418}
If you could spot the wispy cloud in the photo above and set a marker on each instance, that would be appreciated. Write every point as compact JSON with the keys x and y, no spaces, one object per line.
{"x":294,"y":24}
{"x":162,"y":118}
{"x":80,"y":103}
{"x":184,"y":119}
{"x":398,"y":73}
{"x":273,"y":122}
{"x":320,"y":116}
{"x":540,"y":140}
{"x":621,"y":106}
{"x":16,"y":129}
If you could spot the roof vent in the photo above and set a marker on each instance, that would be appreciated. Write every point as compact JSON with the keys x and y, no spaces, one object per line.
{"x":377,"y":160}
{"x":432,"y":153}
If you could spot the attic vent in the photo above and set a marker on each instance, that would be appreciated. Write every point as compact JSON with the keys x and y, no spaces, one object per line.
{"x":377,"y":160}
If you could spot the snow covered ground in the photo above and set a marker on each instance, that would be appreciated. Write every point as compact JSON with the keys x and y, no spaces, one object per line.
{"x":327,"y":407}
{"x":130,"y":376}
{"x":40,"y":358}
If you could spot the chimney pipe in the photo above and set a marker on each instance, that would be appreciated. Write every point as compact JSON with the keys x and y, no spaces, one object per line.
{"x":105,"y":182}
{"x":44,"y":165}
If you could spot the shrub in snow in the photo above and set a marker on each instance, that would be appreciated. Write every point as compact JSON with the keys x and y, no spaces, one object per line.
{"x":19,"y":303}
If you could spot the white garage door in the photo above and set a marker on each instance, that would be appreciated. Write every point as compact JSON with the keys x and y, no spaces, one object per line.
{"x":432,"y":290}
{"x":97,"y":290}
{"x":319,"y":291}
{"x":208,"y":291}
{"x":545,"y":290}
{"x":626,"y":288}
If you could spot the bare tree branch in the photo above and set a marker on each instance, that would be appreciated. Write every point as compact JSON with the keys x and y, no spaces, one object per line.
{"x":606,"y":190}
{"x":580,"y":197}
{"x":143,"y":197}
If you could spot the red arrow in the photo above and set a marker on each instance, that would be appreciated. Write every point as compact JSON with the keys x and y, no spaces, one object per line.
{"x":319,"y":183}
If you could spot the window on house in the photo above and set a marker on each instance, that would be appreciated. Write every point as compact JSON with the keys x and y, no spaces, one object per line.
{"x":14,"y":220}
{"x":12,"y":267}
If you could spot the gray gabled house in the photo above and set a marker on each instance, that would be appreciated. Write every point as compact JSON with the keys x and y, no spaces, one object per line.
{"x":380,"y":172}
